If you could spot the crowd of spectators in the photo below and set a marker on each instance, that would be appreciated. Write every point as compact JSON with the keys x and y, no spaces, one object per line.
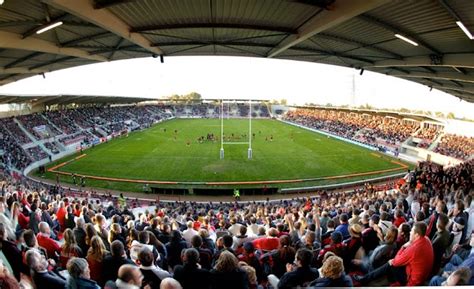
{"x":427,"y":135}
{"x":32,"y":122}
{"x":62,"y":119}
{"x":36,"y":153}
{"x":368,"y":128}
{"x":10,"y":126}
{"x":416,"y":231}
{"x":13,"y":155}
{"x":53,"y":147}
{"x":460,"y":147}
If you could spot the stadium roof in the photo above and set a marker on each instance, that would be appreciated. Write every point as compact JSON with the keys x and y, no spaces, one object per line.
{"x":65,"y":99}
{"x":352,"y":33}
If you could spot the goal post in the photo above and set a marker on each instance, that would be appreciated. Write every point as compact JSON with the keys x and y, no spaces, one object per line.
{"x":249,"y":135}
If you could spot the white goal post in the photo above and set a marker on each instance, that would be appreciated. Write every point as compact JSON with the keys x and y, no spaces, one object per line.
{"x":249,"y":142}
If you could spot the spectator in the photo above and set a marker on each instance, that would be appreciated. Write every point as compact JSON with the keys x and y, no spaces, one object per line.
{"x":152,"y":275}
{"x":129,"y":277}
{"x":227,"y":274}
{"x":333,"y":272}
{"x":79,"y":275}
{"x":413,"y":263}
{"x":43,"y":277}
{"x":115,"y":260}
{"x":95,"y":258}
{"x":297,"y":274}
{"x":69,"y":248}
{"x":190,"y":275}
{"x":7,"y":280}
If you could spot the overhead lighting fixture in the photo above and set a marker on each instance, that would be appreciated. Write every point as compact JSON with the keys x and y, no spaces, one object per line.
{"x":464,"y":28}
{"x":49,"y":27}
{"x":406,"y":39}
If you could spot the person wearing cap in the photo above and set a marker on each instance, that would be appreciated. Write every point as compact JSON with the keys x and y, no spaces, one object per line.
{"x":352,"y":245}
{"x":250,"y":257}
{"x":336,"y":246}
{"x":413,"y":263}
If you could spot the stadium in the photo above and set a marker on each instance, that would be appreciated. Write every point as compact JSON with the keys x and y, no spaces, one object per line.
{"x":190,"y":191}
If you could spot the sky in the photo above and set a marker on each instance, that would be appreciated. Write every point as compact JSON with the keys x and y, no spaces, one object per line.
{"x":242,"y":78}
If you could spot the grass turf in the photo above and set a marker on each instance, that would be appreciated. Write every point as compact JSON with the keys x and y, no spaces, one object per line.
{"x":161,"y":154}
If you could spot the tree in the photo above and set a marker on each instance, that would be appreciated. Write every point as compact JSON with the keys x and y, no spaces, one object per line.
{"x":450,"y":115}
{"x":283,"y":101}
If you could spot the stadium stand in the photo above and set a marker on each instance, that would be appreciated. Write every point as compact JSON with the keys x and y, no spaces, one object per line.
{"x":360,"y":237}
{"x":63,"y":128}
{"x":375,"y":130}
{"x":459,"y":147}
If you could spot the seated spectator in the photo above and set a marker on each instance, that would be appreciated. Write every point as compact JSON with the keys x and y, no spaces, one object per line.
{"x":253,"y":283}
{"x":333,"y":272}
{"x":129,"y":277}
{"x":413,"y":263}
{"x":44,"y":240}
{"x":115,"y":260}
{"x":460,"y":277}
{"x":381,"y":255}
{"x":205,"y":255}
{"x":152,"y":274}
{"x":343,"y":228}
{"x":440,"y":241}
{"x":69,"y":248}
{"x":174,"y":248}
{"x":227,"y":274}
{"x":79,"y":275}
{"x":268,"y":243}
{"x":12,"y":256}
{"x":298,"y":273}
{"x":170,"y":283}
{"x":189,"y":233}
{"x":190,"y":275}
{"x":7,"y":280}
{"x":42,"y":277}
{"x":95,"y":258}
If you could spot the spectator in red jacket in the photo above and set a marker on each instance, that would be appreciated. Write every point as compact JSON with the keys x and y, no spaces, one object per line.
{"x":45,"y":241}
{"x":412,"y":264}
{"x":268,"y":243}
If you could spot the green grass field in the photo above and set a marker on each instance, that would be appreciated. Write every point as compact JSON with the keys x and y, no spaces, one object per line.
{"x":158,"y":154}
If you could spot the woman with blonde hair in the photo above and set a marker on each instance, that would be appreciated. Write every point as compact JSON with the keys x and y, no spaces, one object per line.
{"x":227,"y":274}
{"x":333,"y":272}
{"x":251,"y":274}
{"x":95,"y":258}
{"x":69,"y":248}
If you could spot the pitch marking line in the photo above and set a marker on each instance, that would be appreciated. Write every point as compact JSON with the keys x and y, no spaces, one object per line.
{"x":54,"y":170}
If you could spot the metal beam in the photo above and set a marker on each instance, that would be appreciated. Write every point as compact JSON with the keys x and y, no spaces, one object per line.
{"x":15,"y":41}
{"x":309,"y":51}
{"x":342,"y":11}
{"x":398,"y":30}
{"x":441,"y":75}
{"x":449,"y":60}
{"x":105,"y":19}
{"x":285,"y":30}
{"x":66,"y":58}
{"x":87,"y":38}
{"x":359,"y":44}
{"x":106,"y":4}
{"x":21,"y":70}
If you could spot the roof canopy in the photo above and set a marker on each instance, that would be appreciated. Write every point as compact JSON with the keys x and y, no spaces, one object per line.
{"x":352,"y":33}
{"x":65,"y":99}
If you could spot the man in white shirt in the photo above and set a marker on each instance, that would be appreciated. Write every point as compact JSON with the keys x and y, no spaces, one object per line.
{"x":189,"y":233}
